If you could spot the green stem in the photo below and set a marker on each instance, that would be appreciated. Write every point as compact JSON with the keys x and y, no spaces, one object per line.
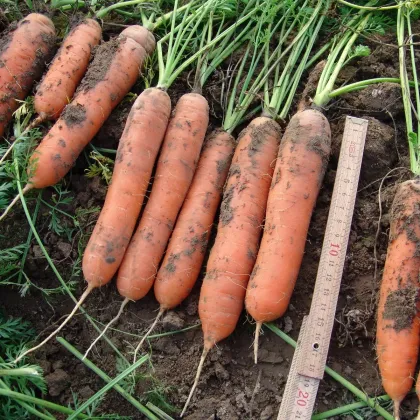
{"x":356,"y":6}
{"x":158,"y":411}
{"x":317,"y":55}
{"x":103,"y":12}
{"x":108,"y":386}
{"x":42,"y":403}
{"x":62,"y":3}
{"x":322,"y":94}
{"x":346,"y":409}
{"x":353,"y":389}
{"x":28,"y":407}
{"x":23,"y":371}
{"x":29,"y":239}
{"x":362,"y":84}
{"x":52,"y":265}
{"x":107,"y":379}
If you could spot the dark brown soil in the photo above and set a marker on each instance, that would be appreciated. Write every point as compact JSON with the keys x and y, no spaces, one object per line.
{"x":102,"y":58}
{"x":74,"y":115}
{"x":231,"y":387}
{"x":401,"y":307}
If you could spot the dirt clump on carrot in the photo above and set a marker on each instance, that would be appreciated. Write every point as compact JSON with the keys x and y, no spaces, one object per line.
{"x":401,"y":307}
{"x":99,"y":67}
{"x":74,"y":115}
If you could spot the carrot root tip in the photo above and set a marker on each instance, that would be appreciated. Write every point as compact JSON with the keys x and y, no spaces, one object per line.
{"x":139,"y":346}
{"x":113,"y":321}
{"x":256,"y":341}
{"x":197,"y":378}
{"x":397,"y":410}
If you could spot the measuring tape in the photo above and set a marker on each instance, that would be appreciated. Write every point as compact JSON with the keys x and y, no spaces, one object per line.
{"x":310,"y":356}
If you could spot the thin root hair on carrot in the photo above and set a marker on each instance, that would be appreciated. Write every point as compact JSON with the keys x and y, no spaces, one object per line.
{"x":112,"y":322}
{"x":197,"y":378}
{"x":397,"y":410}
{"x":76,"y":307}
{"x":152,"y":327}
{"x":256,"y":340}
{"x":27,"y":188}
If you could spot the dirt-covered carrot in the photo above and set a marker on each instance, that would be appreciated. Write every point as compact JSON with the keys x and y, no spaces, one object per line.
{"x":176,"y":166}
{"x":109,"y":78}
{"x":179,"y":155}
{"x":98,"y":90}
{"x":240,"y":225}
{"x":298,"y":175}
{"x":184,"y":256}
{"x":398,"y":326}
{"x":23,"y":56}
{"x":69,"y":66}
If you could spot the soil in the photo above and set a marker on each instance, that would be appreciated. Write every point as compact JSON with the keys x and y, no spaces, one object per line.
{"x":231,"y":386}
{"x":102,"y":58}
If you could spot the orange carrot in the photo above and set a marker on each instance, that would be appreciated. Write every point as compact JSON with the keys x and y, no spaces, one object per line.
{"x":233,"y":254}
{"x":398,"y":327}
{"x":69,"y":65}
{"x":136,"y":155}
{"x":298,"y":175}
{"x":176,"y":166}
{"x":109,"y":241}
{"x":22,"y":60}
{"x":108,"y":79}
{"x":137,"y":152}
{"x":184,"y":256}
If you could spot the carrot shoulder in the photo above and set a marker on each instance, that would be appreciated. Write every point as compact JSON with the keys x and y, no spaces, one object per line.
{"x":137,"y":151}
{"x":398,"y":327}
{"x":176,"y":166}
{"x":70,"y":64}
{"x":109,"y":78}
{"x":22,"y":59}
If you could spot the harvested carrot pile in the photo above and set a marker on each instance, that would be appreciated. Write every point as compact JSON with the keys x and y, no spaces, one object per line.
{"x":166,"y":172}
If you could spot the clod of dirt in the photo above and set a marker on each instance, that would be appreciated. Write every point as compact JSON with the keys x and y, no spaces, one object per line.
{"x":221,"y":373}
{"x":401,"y":307}
{"x":382,"y":97}
{"x":57,"y":382}
{"x":267,"y":413}
{"x":100,"y":65}
{"x":64,"y":248}
{"x":380,"y":152}
{"x":74,"y":115}
{"x":172,"y":321}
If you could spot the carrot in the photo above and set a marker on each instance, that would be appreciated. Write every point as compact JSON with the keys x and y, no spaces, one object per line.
{"x":69,"y":65}
{"x":136,"y":155}
{"x":22,"y":59}
{"x":109,"y":78}
{"x":298,"y":175}
{"x":241,"y":216}
{"x":80,"y":120}
{"x":185,"y":253}
{"x":184,"y":256}
{"x":398,"y":326}
{"x":174,"y":173}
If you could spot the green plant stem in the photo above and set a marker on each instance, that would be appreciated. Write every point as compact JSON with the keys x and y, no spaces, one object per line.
{"x":346,"y":409}
{"x":26,"y":406}
{"x":317,"y":55}
{"x":41,"y":403}
{"x":23,"y":371}
{"x":52,"y":265}
{"x":166,"y":78}
{"x":103,"y":12}
{"x":29,"y":239}
{"x":108,"y":386}
{"x":347,"y":384}
{"x":159,"y":412}
{"x":107,"y":379}
{"x":372,"y":8}
{"x":405,"y":90}
{"x":332,"y":69}
{"x":62,"y":3}
{"x":362,"y":84}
